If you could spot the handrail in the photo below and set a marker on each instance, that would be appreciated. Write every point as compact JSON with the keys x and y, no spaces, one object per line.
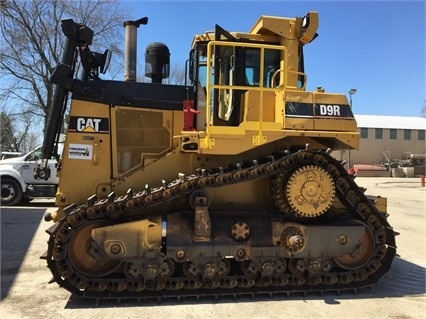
{"x":303,"y":88}
{"x":260,"y":87}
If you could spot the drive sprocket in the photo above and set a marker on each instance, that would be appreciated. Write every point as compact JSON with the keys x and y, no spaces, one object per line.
{"x":307,"y":192}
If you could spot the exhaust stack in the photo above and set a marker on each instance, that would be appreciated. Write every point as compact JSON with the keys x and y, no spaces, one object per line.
{"x":130,"y":48}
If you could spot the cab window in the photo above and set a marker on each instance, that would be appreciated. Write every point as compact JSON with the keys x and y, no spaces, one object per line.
{"x":235,"y":68}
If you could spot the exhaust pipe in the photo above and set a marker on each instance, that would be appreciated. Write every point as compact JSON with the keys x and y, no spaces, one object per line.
{"x":130,"y":48}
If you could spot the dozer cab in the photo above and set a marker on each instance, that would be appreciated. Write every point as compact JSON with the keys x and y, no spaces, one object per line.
{"x":222,"y":186}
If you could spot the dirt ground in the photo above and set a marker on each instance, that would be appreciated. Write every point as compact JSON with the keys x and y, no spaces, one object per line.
{"x":25,"y":292}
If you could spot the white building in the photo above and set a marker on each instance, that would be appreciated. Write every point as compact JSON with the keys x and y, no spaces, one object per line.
{"x":386,"y":138}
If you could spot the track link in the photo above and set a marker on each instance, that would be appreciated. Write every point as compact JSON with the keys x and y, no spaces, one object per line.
{"x":115,"y":208}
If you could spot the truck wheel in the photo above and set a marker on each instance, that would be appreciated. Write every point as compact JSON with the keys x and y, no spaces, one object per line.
{"x":11,"y":192}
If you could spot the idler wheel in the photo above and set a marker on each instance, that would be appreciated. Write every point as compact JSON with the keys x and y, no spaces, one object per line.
{"x":361,"y":255}
{"x":85,"y":255}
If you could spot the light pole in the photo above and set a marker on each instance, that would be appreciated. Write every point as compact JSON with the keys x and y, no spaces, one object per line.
{"x":351,"y":92}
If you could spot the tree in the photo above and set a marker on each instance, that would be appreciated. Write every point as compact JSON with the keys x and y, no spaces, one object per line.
{"x":16,"y":138}
{"x":6,"y":133}
{"x":33,"y":42}
{"x":176,"y":76}
{"x":423,"y":110}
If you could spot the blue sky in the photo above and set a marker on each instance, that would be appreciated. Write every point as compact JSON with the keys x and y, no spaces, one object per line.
{"x":377,"y":47}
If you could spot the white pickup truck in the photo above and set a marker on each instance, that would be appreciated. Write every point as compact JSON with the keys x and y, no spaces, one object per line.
{"x":18,"y":183}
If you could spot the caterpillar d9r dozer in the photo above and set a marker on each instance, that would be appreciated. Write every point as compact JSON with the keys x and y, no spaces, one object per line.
{"x":223,"y":186}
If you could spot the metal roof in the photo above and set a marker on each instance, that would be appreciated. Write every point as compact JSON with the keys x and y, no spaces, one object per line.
{"x":386,"y":121}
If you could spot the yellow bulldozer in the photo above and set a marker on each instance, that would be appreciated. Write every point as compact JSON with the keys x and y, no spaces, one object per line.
{"x":225,"y":185}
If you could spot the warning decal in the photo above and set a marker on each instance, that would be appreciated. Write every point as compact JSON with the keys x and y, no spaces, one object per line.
{"x":80,"y":151}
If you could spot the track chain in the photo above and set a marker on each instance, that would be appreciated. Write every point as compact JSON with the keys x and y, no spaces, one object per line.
{"x":119,"y":287}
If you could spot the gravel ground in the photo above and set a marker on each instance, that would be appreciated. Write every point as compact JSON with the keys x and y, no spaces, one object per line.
{"x":25,"y":292}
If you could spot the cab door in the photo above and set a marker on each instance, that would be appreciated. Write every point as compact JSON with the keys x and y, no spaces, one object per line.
{"x":31,"y":161}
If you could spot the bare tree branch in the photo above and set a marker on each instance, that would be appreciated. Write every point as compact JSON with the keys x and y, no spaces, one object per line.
{"x":32,"y":45}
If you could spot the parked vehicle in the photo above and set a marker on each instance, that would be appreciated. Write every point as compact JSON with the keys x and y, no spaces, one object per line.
{"x":18,"y":181}
{"x":6,"y":154}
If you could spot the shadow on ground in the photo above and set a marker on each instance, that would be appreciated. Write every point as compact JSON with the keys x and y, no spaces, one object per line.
{"x":18,"y":227}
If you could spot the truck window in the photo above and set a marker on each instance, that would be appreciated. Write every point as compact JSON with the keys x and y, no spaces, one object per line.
{"x":34,"y":155}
